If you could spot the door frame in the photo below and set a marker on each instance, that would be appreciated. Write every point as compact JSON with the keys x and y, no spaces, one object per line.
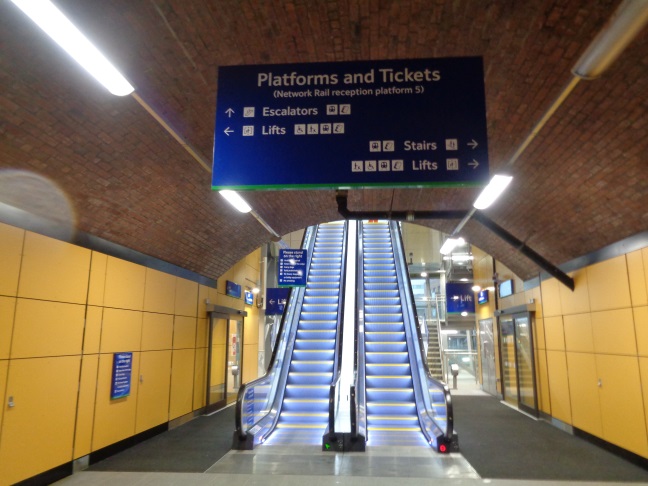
{"x":527,"y":311}
{"x":221,"y":312}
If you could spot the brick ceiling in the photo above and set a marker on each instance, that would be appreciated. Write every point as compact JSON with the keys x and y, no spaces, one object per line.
{"x":72,"y":152}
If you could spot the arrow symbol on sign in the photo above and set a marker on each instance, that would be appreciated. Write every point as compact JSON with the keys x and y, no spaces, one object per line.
{"x":229,"y":112}
{"x":228,"y":130}
{"x":473,"y":144}
{"x":474,"y":164}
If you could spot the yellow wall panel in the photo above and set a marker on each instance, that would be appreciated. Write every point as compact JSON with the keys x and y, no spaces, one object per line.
{"x":539,"y":333}
{"x":641,"y":331}
{"x":97,"y":285}
{"x":559,"y":386}
{"x":578,"y":333}
{"x":38,"y":432}
{"x":643,"y":370}
{"x":250,"y":359}
{"x":576,"y":301}
{"x":644,"y":256}
{"x":637,"y":278}
{"x":584,"y":393}
{"x":53,"y":270}
{"x":554,"y":333}
{"x":202,"y":333}
{"x":157,"y":331}
{"x":114,"y":419}
{"x":182,"y":383}
{"x":92,"y":335}
{"x":614,"y":332}
{"x":186,"y":298}
{"x":184,"y":332}
{"x":45,"y":328}
{"x":124,"y":284}
{"x":159,"y":295}
{"x":551,"y":298}
{"x":153,"y":389}
{"x":536,"y":295}
{"x":251,"y":329}
{"x":85,"y":408}
{"x":624,"y":421}
{"x":4,"y":366}
{"x":7,"y":307}
{"x":544,"y":396}
{"x":608,"y":284}
{"x":11,"y":245}
{"x":200,"y":379}
{"x":121,"y":331}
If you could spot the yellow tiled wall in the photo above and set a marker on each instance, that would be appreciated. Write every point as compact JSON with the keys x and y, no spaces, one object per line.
{"x":64,"y":311}
{"x":591,"y":346}
{"x":595,"y":337}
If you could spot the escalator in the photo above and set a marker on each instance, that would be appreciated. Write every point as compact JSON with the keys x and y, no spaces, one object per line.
{"x":290,"y":404}
{"x":391,"y":409}
{"x":399,"y":402}
{"x":305,"y":410}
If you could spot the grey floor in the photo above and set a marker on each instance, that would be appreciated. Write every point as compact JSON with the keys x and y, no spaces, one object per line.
{"x":393,"y":466}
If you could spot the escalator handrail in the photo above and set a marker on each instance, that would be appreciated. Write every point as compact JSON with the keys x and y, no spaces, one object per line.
{"x":356,"y":400}
{"x":308,"y":241}
{"x":337,"y":364}
{"x":407,"y":284}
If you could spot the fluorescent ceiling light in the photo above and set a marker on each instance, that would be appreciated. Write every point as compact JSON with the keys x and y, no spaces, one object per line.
{"x":65,"y":34}
{"x":459,"y":258}
{"x":492,"y":191}
{"x":235,"y":200}
{"x":627,"y":21}
{"x":450,"y":244}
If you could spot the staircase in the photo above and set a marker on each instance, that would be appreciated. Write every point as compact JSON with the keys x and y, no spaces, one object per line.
{"x":434,"y":359}
{"x":391,"y":410}
{"x":305,"y":410}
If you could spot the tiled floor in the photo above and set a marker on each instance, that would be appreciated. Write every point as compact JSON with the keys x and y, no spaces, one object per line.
{"x":309,"y":466}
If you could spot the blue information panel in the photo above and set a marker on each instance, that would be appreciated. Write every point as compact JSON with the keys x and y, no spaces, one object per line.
{"x":121,"y":375}
{"x":400,"y":123}
{"x":276,"y":301}
{"x":292,"y":268}
{"x":460,"y":298}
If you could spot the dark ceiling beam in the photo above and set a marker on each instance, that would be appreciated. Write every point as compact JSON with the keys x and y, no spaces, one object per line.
{"x":410,"y":216}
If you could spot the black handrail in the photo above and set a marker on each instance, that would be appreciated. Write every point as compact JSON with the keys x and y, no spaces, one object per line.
{"x":357,"y":393}
{"x":407,"y":283}
{"x":335,"y":379}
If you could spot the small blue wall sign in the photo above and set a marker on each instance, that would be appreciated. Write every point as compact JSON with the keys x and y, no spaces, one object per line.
{"x":121,"y":375}
{"x":232,"y":289}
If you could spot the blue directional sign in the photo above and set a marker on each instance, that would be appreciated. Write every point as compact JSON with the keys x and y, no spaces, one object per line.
{"x":399,"y":123}
{"x":292,"y":268}
{"x":460,"y":298}
{"x":276,"y":301}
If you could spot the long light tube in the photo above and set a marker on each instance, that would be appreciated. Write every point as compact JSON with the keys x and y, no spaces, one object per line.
{"x":235,"y":200}
{"x":65,"y":34}
{"x":492,"y":191}
{"x":450,"y":244}
{"x":627,"y":21}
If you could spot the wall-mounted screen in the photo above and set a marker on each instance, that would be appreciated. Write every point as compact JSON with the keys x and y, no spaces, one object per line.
{"x":506,"y":288}
{"x":482,"y":298}
{"x":249,"y":297}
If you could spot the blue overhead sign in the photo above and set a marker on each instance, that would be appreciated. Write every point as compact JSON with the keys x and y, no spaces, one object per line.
{"x":292,"y":268}
{"x":400,"y":123}
{"x":460,"y":297}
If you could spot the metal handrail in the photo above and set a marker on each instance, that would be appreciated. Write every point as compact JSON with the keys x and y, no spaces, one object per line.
{"x":335,"y":380}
